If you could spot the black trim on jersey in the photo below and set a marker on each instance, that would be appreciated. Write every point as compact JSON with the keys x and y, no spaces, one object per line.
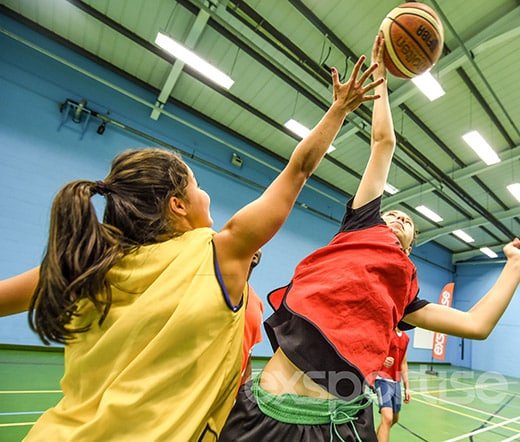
{"x":227,"y":298}
{"x":415,"y":305}
{"x":208,"y":430}
{"x":308,"y":349}
{"x":363,"y":217}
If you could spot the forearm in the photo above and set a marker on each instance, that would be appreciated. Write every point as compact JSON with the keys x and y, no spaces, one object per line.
{"x":486,"y":313}
{"x":312,"y":148}
{"x":16,"y":292}
{"x":480,"y":320}
{"x":382,"y":124}
{"x":404,"y":376}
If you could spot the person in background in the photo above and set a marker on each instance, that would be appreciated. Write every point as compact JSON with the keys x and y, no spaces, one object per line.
{"x":388,"y":384}
{"x":253,"y":322}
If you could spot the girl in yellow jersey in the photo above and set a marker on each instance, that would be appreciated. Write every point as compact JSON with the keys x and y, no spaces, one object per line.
{"x":149,"y":302}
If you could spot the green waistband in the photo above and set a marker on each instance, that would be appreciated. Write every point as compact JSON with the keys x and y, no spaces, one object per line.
{"x":294,"y":409}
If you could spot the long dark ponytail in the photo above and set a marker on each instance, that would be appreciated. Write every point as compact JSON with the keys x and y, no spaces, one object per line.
{"x":81,"y":250}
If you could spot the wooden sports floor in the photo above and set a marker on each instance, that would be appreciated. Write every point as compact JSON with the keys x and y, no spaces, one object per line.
{"x":455,"y":405}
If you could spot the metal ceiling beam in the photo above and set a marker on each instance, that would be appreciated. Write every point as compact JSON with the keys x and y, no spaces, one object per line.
{"x":430,"y":235}
{"x":502,"y":30}
{"x":507,"y":157}
{"x":404,"y":144}
{"x":193,"y":37}
{"x":470,"y":58}
{"x":456,"y":258}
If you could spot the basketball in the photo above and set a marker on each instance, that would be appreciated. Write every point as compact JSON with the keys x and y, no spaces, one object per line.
{"x":414,"y":38}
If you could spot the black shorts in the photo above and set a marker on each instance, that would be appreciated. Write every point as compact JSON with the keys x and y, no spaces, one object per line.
{"x":246,"y":423}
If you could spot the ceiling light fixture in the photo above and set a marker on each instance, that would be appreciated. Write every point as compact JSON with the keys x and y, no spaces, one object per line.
{"x":515,"y":190}
{"x":429,"y":213}
{"x":190,"y":58}
{"x":481,"y":147}
{"x":302,"y":131}
{"x":391,"y":189}
{"x":463,"y":235}
{"x":487,"y":251}
{"x":429,"y":86}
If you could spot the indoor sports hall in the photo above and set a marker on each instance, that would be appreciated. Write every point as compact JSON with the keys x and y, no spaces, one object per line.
{"x":83,"y":80}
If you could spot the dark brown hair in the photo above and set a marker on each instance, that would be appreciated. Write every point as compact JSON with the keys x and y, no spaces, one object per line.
{"x":81,"y":250}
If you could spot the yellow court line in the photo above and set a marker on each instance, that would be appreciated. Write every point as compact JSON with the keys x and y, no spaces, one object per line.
{"x":28,"y":391}
{"x":455,"y":404}
{"x":18,"y":424}
{"x":462,"y":414}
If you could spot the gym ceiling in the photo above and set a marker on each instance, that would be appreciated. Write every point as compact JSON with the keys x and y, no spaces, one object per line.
{"x":279,"y":52}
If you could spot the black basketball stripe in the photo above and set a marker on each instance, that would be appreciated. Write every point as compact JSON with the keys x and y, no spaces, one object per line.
{"x":412,"y":37}
{"x":433,"y":20}
{"x":430,"y":19}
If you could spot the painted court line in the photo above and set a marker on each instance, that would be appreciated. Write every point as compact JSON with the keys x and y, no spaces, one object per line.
{"x":28,"y":391}
{"x":460,"y":405}
{"x":473,"y":387}
{"x":509,"y":439}
{"x":483,"y":430}
{"x":18,"y":424}
{"x":18,"y":413}
{"x":469,"y":416}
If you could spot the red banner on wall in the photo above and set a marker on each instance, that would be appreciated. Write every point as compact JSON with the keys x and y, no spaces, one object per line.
{"x":440,"y":340}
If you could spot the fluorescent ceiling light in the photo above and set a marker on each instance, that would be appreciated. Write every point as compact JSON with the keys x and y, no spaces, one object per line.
{"x":429,"y":86}
{"x":515,"y":190}
{"x":302,"y":131}
{"x":391,"y":189}
{"x":487,"y":251}
{"x":193,"y":60}
{"x":463,"y":235}
{"x":481,"y":147}
{"x":429,"y":213}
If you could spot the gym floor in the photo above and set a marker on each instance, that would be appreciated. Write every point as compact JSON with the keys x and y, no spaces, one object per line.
{"x":456,"y":404}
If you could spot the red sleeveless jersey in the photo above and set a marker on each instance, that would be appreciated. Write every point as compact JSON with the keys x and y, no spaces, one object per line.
{"x":354,"y":291}
{"x":398,"y":346}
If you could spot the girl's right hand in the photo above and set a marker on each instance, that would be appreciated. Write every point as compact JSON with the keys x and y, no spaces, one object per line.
{"x":377,"y":56}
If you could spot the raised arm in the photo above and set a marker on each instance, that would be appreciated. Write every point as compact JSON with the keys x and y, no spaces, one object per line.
{"x":16,"y":292}
{"x":480,"y":320}
{"x":255,"y":224}
{"x":383,"y":137}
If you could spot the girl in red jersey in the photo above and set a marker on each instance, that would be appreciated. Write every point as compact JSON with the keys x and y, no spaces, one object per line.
{"x":332,"y":324}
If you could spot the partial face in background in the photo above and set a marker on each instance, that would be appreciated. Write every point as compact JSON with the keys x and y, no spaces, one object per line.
{"x":402,"y":226}
{"x":198,"y":204}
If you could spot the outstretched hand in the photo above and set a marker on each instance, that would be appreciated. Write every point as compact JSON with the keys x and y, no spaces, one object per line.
{"x":377,"y":56}
{"x":351,"y":94}
{"x":512,"y":249}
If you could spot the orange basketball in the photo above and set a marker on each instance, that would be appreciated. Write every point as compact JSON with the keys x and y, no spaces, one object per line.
{"x":414,"y":38}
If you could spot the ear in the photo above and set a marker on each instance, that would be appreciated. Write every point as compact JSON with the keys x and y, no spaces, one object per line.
{"x":178,"y":206}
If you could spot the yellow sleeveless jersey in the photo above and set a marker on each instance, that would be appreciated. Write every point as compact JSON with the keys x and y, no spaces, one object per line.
{"x":165,"y":364}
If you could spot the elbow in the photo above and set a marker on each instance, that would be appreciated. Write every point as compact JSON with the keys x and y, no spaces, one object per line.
{"x":479,"y":333}
{"x":384,"y":142}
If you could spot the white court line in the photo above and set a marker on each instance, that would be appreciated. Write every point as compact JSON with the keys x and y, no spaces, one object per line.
{"x":18,"y":413}
{"x":458,"y":405}
{"x":28,"y":391}
{"x":469,"y":387}
{"x":483,"y":430}
{"x":509,"y":439}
